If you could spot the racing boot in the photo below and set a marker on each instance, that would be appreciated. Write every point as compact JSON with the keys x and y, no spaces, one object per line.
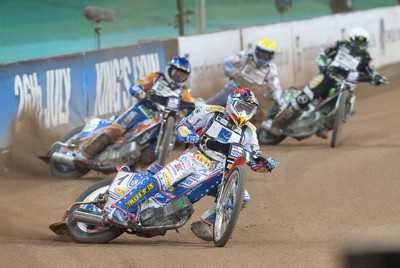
{"x":97,"y":145}
{"x":283,"y":119}
{"x":84,"y":158}
{"x":201,"y":228}
{"x":323,"y":133}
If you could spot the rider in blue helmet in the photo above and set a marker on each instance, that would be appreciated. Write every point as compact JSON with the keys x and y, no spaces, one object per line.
{"x":178,"y":70}
{"x":176,"y":73}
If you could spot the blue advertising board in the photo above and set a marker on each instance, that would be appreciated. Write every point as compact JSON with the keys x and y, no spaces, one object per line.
{"x":62,"y":91}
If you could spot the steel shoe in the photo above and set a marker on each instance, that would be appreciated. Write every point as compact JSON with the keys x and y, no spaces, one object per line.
{"x":323,"y":133}
{"x":202,"y":230}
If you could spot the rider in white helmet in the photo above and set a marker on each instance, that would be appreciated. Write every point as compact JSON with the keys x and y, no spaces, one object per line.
{"x":336,"y":61}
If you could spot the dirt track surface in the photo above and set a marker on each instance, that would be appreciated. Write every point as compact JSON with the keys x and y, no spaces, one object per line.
{"x":302,"y":215}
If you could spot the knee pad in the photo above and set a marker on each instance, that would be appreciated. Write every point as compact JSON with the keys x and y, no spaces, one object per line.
{"x":303,"y":99}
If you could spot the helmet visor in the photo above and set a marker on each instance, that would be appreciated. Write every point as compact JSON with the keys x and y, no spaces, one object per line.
{"x":360,"y":41}
{"x":264,"y":55}
{"x":245,"y":109}
{"x":178,"y":75}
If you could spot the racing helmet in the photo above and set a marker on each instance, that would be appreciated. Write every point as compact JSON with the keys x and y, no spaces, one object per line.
{"x":241,"y":105}
{"x":359,"y":37}
{"x":265,"y":50}
{"x":178,"y":69}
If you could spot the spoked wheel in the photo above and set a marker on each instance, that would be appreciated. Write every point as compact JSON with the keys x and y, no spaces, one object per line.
{"x":166,"y":144}
{"x":229,"y":205}
{"x":62,"y":171}
{"x":86,"y":233}
{"x":340,"y":117}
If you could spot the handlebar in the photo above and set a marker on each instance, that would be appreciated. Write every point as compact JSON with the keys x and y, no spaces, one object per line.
{"x":187,"y":105}
{"x":162,"y":100}
{"x":225,"y":148}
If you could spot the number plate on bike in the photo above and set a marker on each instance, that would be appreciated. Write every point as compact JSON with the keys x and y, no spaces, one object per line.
{"x":173,"y":103}
{"x":236,"y":150}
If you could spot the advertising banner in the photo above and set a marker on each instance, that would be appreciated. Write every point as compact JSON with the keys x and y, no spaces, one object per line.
{"x":61,"y":92}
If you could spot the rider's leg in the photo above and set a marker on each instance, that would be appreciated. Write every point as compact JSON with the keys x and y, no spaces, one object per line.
{"x":201,"y":227}
{"x":318,"y":86}
{"x":122,"y":123}
{"x":98,"y":144}
{"x":291,"y":112}
{"x":146,"y":185}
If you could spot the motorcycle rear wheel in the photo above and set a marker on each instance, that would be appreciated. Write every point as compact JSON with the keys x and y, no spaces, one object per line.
{"x":340,"y":117}
{"x":229,"y":205}
{"x":165,"y":144}
{"x":63,"y":171}
{"x":86,"y":233}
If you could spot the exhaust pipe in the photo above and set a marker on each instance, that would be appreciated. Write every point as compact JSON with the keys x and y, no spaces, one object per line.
{"x":90,"y":216}
{"x":63,"y":159}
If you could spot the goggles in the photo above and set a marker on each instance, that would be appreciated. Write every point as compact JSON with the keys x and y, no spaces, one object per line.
{"x":245,"y":109}
{"x":265,"y":55}
{"x":178,"y":75}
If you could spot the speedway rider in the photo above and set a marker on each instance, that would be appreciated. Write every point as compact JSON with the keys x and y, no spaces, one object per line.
{"x":200,"y":129}
{"x":254,"y":66}
{"x":176,"y":72}
{"x":336,"y":62}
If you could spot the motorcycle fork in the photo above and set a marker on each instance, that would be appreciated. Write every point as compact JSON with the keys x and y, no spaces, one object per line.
{"x":161,"y":133}
{"x":349,"y":104}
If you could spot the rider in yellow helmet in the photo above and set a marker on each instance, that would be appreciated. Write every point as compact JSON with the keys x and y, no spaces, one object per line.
{"x":256,"y":67}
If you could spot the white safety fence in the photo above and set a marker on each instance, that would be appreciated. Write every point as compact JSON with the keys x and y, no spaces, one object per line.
{"x":298,"y":44}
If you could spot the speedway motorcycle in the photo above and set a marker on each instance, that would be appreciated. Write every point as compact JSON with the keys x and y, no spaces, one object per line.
{"x":330,"y":113}
{"x":91,"y":219}
{"x":149,"y":141}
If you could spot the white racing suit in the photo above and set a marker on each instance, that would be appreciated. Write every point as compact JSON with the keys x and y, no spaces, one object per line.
{"x":209,"y":121}
{"x":243,"y":67}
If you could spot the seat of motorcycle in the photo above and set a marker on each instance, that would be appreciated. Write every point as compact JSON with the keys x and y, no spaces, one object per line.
{"x":154,"y":168}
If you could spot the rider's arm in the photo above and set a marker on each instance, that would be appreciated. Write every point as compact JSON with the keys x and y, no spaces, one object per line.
{"x":186,"y":96}
{"x":188,"y":126}
{"x":139,"y":88}
{"x":368,"y":73}
{"x":325,"y":56}
{"x":257,"y":162}
{"x":234,"y":63}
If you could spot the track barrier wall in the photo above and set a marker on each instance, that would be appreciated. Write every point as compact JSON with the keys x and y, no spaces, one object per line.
{"x":62,"y":91}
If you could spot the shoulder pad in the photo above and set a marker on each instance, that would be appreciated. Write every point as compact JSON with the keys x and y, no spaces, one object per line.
{"x":251,"y":126}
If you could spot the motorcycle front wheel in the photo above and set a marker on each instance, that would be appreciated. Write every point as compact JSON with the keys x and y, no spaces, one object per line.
{"x":340,"y":117}
{"x":166,"y":138}
{"x":63,"y":171}
{"x":86,"y":233}
{"x":229,"y":205}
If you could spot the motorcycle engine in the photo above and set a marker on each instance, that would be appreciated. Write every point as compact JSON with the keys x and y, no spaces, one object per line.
{"x":176,"y":211}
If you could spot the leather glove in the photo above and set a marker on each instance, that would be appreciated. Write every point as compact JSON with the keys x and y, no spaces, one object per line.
{"x":137,"y":91}
{"x":140,"y":94}
{"x":321,"y":61}
{"x":264,"y":165}
{"x":378,"y":79}
{"x":192,"y":138}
